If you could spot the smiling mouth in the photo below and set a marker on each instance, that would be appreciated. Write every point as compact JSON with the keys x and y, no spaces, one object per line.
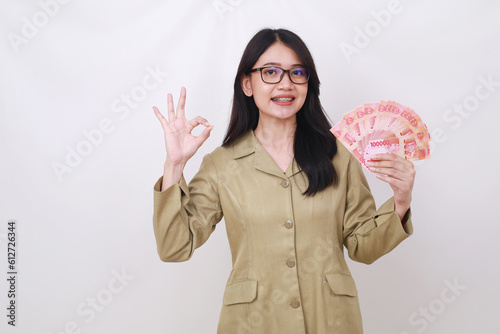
{"x":283,"y":99}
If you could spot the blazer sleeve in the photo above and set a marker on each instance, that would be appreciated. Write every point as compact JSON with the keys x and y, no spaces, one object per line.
{"x":185,"y":216}
{"x":369,"y":233}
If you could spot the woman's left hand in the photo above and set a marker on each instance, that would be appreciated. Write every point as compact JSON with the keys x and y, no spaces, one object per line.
{"x":399,"y":173}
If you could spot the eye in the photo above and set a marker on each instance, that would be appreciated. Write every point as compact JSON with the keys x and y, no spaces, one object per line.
{"x":299,"y":71}
{"x":271,"y":71}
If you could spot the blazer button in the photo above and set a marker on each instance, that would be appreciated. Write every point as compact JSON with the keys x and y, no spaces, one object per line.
{"x":290,"y":263}
{"x":285,"y":183}
{"x":295,"y":304}
{"x":289,"y":224}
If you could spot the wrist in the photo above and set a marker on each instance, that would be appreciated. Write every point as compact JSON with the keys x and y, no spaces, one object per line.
{"x":401,"y":209}
{"x":173,"y":166}
{"x":172,"y":173}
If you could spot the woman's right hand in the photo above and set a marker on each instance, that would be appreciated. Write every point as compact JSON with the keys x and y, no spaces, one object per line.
{"x":181,"y":145}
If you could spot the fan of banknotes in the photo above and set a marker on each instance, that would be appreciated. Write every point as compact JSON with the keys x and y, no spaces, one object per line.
{"x":383,"y":127}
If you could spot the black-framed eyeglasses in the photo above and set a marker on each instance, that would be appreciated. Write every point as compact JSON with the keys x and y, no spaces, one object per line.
{"x":274,"y":74}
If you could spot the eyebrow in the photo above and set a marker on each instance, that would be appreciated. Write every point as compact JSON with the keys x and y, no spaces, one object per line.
{"x":279,"y":64}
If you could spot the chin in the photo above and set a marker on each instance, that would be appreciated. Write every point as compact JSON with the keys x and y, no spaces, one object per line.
{"x":286,"y":115}
{"x":286,"y":112}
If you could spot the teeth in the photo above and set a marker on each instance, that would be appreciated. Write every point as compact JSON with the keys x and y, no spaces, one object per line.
{"x":282,"y":99}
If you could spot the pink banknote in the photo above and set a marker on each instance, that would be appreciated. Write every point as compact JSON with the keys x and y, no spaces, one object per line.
{"x":383,"y":127}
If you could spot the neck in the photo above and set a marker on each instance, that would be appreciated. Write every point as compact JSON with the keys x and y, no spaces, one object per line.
{"x":276,"y":133}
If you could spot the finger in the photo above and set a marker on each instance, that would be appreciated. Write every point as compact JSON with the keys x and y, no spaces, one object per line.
{"x":204,"y":135}
{"x":393,"y":157}
{"x":171,"y":112}
{"x":377,"y":166}
{"x":407,"y":177}
{"x":401,"y":189}
{"x":389,"y":160}
{"x":399,"y":169}
{"x":181,"y":105}
{"x":393,"y":173}
{"x":382,"y":156}
{"x":197,"y":121}
{"x":160,"y":117}
{"x":386,"y":157}
{"x":385,"y":178}
{"x":400,"y":185}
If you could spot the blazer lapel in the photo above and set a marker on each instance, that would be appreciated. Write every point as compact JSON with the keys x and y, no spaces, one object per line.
{"x":262,"y":161}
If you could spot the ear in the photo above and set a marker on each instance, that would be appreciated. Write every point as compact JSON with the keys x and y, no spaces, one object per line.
{"x":246,"y":85}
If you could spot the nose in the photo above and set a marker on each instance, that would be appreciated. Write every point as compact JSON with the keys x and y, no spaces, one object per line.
{"x":285,"y":83}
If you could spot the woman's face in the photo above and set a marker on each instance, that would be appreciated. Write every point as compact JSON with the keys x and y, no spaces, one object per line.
{"x":280,"y":100}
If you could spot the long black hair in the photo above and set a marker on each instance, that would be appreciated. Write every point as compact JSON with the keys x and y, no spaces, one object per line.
{"x":314,"y":145}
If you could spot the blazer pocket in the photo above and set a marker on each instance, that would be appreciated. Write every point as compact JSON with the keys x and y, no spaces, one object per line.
{"x":240,"y":292}
{"x":341,"y":284}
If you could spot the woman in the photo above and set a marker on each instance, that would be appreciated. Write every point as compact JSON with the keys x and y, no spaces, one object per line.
{"x":290,"y":196}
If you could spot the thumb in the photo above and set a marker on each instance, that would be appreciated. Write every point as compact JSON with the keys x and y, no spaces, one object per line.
{"x":204,"y":135}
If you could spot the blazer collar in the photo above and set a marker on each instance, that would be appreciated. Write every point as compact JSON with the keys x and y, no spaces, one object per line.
{"x":245,"y":145}
{"x":248,"y":145}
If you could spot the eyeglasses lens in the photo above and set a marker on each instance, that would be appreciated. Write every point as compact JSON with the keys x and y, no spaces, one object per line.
{"x":274,"y":74}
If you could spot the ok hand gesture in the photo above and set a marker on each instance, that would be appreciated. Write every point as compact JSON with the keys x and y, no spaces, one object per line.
{"x":180,"y":143}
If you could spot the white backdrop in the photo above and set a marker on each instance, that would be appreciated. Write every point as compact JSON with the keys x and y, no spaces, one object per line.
{"x":81,"y":149}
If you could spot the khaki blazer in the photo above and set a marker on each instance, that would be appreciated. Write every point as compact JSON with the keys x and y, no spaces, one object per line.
{"x":288,"y":272}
